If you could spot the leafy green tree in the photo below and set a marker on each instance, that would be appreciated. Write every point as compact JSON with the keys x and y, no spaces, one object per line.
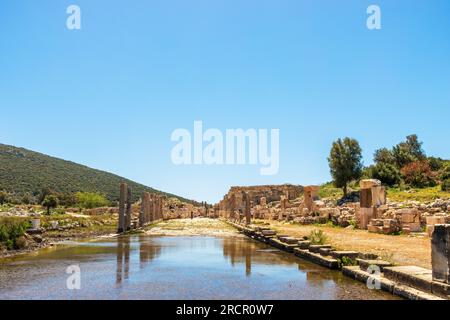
{"x":345,"y":162}
{"x":44,"y":193}
{"x":50,"y":202}
{"x":436,"y":164}
{"x":387,"y":173}
{"x":384,"y":155}
{"x":89,"y":200}
{"x":408,"y":151}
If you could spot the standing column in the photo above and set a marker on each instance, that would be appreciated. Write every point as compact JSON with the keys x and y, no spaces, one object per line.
{"x":152,"y":208}
{"x":129,"y":209}
{"x":148,"y":208}
{"x":142,"y":211}
{"x":248,"y":212}
{"x":158,"y":208}
{"x":122,"y":200}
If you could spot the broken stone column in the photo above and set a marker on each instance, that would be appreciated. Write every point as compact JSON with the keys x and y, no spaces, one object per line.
{"x":248,"y":214}
{"x":128,"y":210}
{"x":440,"y":252}
{"x":161,"y":209}
{"x":371,"y":196}
{"x":142,"y":212}
{"x":122,"y":201}
{"x":311,"y":194}
{"x":158,"y":207}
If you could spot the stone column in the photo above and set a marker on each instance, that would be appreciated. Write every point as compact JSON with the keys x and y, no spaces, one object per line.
{"x":142,"y":212}
{"x":129,"y":210}
{"x":122,"y":200}
{"x":371,"y":196}
{"x":156,"y":207}
{"x":311,"y":194}
{"x":440,"y":253}
{"x":248,"y":212}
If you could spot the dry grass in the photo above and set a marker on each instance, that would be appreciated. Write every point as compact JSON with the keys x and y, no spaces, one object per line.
{"x":402,"y":250}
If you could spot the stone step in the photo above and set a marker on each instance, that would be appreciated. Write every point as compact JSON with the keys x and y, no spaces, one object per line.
{"x":418,"y":278}
{"x":325,"y":251}
{"x":412,"y":276}
{"x":289,"y":240}
{"x":324,"y":261}
{"x":316,"y":248}
{"x":341,"y":254}
{"x":364,"y":264}
{"x":388,"y":285}
{"x":304,"y":244}
{"x":269,"y":233}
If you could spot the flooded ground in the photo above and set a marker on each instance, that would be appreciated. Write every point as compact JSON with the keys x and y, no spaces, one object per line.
{"x":155,"y":267}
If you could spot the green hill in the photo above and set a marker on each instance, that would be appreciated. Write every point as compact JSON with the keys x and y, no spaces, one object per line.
{"x":27,"y":172}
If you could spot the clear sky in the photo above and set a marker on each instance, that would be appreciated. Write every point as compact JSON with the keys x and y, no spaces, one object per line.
{"x":110,"y":95}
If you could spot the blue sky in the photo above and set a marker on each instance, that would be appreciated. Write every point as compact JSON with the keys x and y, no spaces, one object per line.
{"x":137,"y":70}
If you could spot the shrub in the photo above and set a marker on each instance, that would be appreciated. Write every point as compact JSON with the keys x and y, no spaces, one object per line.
{"x":317,"y":237}
{"x":445,"y":185}
{"x":436,"y":164}
{"x":445,"y":173}
{"x":3,"y":197}
{"x":89,"y":200}
{"x":386,"y":173}
{"x":11,"y":232}
{"x":418,"y":174}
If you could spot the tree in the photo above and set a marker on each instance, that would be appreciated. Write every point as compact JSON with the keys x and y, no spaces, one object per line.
{"x":384,"y":155}
{"x":418,"y":174}
{"x":386,"y":173}
{"x":408,"y":151}
{"x":50,"y":202}
{"x":345,"y":162}
{"x":89,"y":200}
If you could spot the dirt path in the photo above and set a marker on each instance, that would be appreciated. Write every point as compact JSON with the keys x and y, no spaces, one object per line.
{"x":194,"y":227}
{"x":402,"y":250}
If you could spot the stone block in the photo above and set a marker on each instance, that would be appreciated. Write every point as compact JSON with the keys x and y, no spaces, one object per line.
{"x":375,"y":229}
{"x":440,"y":247}
{"x":341,"y":254}
{"x":304,"y":245}
{"x":364,"y":217}
{"x":412,"y":227}
{"x":369,"y":183}
{"x":316,"y":248}
{"x":378,"y":196}
{"x":365,"y":198}
{"x":409,"y":215}
{"x":268,"y":233}
{"x":433,"y":220}
{"x":377,"y":222}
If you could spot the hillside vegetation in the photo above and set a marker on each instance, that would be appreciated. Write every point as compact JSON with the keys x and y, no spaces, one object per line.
{"x":25,"y":173}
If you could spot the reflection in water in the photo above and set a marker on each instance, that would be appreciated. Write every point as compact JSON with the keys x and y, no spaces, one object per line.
{"x":147,"y":252}
{"x":175,"y":268}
